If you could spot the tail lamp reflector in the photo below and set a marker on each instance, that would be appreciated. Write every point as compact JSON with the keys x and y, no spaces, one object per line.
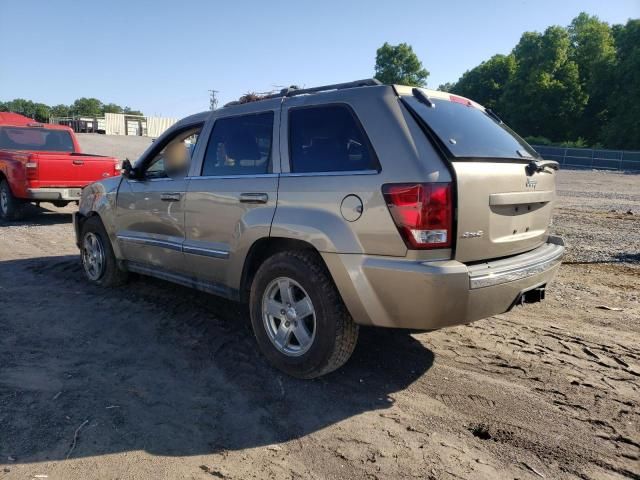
{"x":422,"y":212}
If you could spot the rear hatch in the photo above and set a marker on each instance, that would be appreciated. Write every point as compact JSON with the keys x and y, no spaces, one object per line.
{"x":504,"y":191}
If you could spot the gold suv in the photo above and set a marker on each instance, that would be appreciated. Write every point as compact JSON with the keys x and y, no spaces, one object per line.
{"x":333,"y":207}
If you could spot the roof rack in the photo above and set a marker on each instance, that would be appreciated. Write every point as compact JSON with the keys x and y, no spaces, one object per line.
{"x":291,"y":92}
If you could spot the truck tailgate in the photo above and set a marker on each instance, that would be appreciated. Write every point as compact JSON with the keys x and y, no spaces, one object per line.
{"x":72,"y":169}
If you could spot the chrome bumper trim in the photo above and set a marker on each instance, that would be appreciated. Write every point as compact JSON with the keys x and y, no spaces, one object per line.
{"x":514,"y":268}
{"x":46,"y":194}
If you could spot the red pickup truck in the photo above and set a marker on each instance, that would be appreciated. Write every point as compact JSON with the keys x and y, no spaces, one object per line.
{"x":43,"y":163}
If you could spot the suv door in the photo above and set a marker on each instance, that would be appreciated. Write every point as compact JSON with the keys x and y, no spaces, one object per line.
{"x":231,"y":198}
{"x":150,"y":208}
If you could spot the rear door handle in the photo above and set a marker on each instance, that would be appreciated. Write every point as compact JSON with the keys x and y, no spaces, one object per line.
{"x":78,"y":162}
{"x":170,"y":197}
{"x":254,"y":197}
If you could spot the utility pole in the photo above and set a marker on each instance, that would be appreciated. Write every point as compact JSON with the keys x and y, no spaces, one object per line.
{"x":213,"y":101}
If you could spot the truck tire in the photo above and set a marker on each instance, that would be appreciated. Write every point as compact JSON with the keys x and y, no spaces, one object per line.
{"x":99,"y":263}
{"x":11,"y":208}
{"x":299,"y":319}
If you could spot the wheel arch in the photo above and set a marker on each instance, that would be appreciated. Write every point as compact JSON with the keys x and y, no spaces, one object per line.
{"x":264,"y":248}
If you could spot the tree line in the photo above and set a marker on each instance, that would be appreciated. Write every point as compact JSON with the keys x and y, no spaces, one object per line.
{"x":82,"y":107}
{"x":576,"y":86}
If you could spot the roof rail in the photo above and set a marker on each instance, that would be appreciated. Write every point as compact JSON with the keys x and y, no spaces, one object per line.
{"x":291,"y":92}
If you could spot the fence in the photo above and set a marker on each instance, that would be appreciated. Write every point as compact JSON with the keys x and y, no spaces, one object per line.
{"x":591,"y":158}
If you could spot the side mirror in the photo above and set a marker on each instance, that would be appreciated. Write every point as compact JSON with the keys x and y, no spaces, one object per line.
{"x":128,"y":171}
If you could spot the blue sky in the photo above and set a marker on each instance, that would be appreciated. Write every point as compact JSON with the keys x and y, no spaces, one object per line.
{"x":162,"y":56}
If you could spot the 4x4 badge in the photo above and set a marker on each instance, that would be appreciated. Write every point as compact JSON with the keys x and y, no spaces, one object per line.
{"x":531,"y":183}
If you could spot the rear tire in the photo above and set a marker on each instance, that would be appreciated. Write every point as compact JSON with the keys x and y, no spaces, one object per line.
{"x":11,"y":208}
{"x":99,"y":263}
{"x":298,"y":284}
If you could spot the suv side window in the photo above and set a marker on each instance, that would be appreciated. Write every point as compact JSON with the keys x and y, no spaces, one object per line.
{"x":240,"y":146}
{"x":328,"y":138}
{"x":174,"y":159}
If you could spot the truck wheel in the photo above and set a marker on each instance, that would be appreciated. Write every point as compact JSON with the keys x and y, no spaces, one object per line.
{"x":11,"y":208}
{"x":299,"y":320}
{"x":98,"y":260}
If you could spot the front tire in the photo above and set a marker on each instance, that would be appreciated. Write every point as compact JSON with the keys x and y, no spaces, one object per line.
{"x":99,"y":263}
{"x":11,"y":208}
{"x":300,"y":322}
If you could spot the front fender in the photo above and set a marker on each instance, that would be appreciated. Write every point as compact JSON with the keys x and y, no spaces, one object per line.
{"x":99,"y":198}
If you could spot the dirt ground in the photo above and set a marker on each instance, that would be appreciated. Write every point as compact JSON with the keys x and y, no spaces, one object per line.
{"x":152,"y":380}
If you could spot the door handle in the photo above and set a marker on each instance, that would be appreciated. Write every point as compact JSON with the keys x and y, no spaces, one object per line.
{"x":254,"y":197}
{"x":78,"y":162}
{"x":170,"y":197}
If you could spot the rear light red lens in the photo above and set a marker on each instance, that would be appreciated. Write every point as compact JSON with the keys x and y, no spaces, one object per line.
{"x":31,"y":167}
{"x":422,"y":212}
{"x":463,"y":101}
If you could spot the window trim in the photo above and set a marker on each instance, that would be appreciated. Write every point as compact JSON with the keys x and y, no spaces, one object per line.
{"x":374,"y":157}
{"x":269,"y":171}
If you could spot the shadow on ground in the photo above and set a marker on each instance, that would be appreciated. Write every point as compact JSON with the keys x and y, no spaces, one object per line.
{"x":39,"y":216}
{"x":157,"y":367}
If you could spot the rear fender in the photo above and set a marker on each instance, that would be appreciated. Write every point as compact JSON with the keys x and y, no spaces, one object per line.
{"x":324,"y":230}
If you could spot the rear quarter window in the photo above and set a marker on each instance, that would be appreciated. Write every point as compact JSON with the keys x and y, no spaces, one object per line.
{"x":328,"y":138}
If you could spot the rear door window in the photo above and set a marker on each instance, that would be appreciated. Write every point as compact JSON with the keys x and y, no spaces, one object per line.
{"x":240,"y":146}
{"x":328,"y":138}
{"x":469,"y":132}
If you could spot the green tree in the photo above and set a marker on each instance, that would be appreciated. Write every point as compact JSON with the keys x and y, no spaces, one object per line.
{"x":41,"y":112}
{"x":86,"y":107}
{"x":623,"y":129}
{"x":399,"y":64}
{"x":60,"y":110}
{"x":111,"y":108}
{"x":486,"y":82}
{"x":593,"y":50}
{"x":447,"y":87}
{"x":129,"y":111}
{"x":544,"y":96}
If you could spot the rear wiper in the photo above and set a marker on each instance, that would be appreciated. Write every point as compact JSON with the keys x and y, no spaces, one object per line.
{"x":540,"y":165}
{"x":422,"y":97}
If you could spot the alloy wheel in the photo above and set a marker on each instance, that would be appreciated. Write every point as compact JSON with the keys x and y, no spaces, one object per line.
{"x":289,"y":316}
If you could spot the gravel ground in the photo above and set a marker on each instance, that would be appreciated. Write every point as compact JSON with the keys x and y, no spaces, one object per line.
{"x":152,"y":380}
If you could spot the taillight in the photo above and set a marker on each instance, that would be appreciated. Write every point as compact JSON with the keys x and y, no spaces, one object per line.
{"x":117,"y":167}
{"x":31,"y":167}
{"x":422,"y":212}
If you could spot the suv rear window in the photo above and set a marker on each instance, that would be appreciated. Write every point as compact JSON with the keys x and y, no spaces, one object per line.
{"x":469,"y":132}
{"x":328,"y":138}
{"x":35,"y":139}
{"x":240,"y":146}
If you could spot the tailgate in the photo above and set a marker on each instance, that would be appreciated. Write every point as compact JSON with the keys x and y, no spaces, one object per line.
{"x":72,"y":169}
{"x":502,"y":209}
{"x":92,"y":168}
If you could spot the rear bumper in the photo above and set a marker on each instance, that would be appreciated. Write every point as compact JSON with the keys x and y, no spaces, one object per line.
{"x":400,"y":293}
{"x":54,"y":194}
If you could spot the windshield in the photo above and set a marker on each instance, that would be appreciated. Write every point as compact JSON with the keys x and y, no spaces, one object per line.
{"x":469,"y":132}
{"x":35,"y":139}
